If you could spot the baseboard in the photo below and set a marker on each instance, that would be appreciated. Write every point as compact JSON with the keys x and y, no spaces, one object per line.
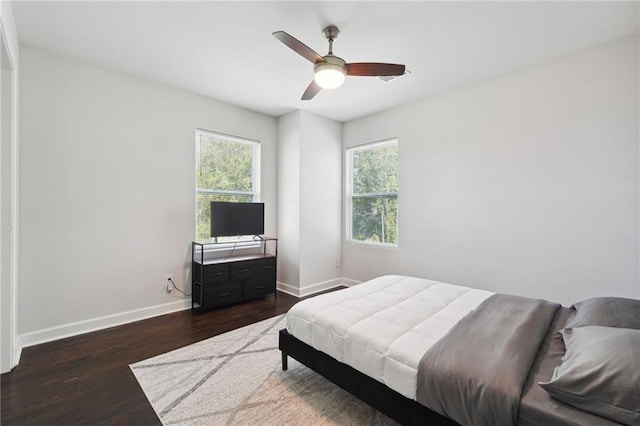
{"x":16,"y":356}
{"x":286,"y":288}
{"x":348,"y":282}
{"x":311,"y":289}
{"x":94,"y":324}
{"x":100,"y":323}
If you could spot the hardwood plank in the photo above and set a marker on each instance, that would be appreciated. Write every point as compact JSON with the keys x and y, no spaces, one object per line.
{"x":86,"y":379}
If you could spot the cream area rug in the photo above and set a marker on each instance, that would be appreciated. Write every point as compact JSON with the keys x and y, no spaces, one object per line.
{"x":236,"y":378}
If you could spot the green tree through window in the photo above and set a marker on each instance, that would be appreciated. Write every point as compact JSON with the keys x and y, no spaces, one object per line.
{"x":373,"y":192}
{"x":226,"y":170}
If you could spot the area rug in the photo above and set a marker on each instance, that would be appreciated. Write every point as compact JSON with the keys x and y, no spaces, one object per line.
{"x":236,"y":378}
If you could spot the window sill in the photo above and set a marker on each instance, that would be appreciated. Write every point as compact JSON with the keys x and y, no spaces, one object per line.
{"x":382,"y":246}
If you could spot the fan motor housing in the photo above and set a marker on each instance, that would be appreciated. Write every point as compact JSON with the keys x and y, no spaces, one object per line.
{"x":331,"y":59}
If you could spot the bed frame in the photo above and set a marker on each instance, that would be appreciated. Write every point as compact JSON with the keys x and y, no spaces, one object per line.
{"x":398,"y":407}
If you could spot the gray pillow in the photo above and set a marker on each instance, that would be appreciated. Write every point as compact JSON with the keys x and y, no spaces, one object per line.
{"x":600,"y":372}
{"x":607,"y":312}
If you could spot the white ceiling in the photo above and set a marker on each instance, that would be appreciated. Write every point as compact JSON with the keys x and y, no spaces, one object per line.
{"x":225,"y":50}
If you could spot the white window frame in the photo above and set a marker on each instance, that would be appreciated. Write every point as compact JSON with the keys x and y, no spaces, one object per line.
{"x":228,"y":242}
{"x":349,"y":195}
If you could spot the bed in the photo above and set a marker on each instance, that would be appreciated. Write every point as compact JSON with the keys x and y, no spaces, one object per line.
{"x":425,"y":352}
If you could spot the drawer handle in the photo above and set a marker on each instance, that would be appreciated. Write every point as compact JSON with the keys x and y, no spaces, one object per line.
{"x":217,"y":274}
{"x":265,"y":267}
{"x":243,"y":270}
{"x":224,"y":294}
{"x":260,"y":286}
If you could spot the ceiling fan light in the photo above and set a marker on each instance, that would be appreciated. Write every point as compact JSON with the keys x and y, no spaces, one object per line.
{"x":329,"y":76}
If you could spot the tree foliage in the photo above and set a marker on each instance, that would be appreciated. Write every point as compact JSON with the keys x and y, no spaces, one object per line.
{"x":222,"y":166}
{"x":375,"y":188}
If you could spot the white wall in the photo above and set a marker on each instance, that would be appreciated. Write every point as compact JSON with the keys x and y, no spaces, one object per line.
{"x":524,"y":184}
{"x":309,"y":202}
{"x":321,"y":200}
{"x":107,"y":191}
{"x":289,"y":201}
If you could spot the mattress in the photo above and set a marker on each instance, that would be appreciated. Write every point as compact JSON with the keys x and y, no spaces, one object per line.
{"x":383,"y":327}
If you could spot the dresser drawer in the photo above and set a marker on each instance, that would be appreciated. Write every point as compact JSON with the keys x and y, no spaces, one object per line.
{"x":266,"y":266}
{"x":211,"y":274}
{"x":259,"y":287}
{"x":216,"y":273}
{"x":244,"y":270}
{"x":221,"y":294}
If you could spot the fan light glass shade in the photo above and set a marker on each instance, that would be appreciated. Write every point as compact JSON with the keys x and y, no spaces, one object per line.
{"x":329,"y":76}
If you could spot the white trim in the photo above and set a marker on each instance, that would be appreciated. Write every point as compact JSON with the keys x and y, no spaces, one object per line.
{"x":384,"y":246}
{"x":108,"y":321}
{"x":256,"y":160}
{"x":10,"y":40}
{"x":310,"y":289}
{"x":257,"y":171}
{"x":348,"y":282}
{"x":17,"y":353}
{"x":286,"y":288}
{"x":15,"y":147}
{"x":230,"y":138}
{"x":375,"y":144}
{"x":348,"y":192}
{"x":100,"y":323}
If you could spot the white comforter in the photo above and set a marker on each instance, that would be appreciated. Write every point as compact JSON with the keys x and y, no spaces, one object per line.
{"x":383,"y":327}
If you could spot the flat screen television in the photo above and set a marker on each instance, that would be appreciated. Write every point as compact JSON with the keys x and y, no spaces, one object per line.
{"x":231,"y":219}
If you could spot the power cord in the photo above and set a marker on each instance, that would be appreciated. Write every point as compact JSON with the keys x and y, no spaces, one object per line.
{"x":174,"y":286}
{"x":235,"y":244}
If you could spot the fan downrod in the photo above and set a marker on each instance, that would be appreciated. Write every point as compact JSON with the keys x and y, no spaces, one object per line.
{"x":331,"y":33}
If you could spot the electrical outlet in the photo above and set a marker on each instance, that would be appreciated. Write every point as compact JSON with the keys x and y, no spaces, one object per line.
{"x":338,"y":262}
{"x":168,"y":285}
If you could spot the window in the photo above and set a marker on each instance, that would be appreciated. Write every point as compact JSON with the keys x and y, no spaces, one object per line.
{"x":372,"y":193}
{"x":227,"y":169}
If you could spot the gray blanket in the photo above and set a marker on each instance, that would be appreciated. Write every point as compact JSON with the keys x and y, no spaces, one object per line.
{"x":475,"y":374}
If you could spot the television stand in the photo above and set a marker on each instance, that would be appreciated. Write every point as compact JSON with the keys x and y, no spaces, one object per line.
{"x":224,"y":273}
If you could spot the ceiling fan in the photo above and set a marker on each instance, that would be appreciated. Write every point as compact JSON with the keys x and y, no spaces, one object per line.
{"x":330,"y":70}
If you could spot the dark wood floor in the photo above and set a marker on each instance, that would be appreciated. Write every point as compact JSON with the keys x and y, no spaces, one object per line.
{"x":86,"y":380}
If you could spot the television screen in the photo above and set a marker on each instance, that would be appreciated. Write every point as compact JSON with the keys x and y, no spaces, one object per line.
{"x":231,"y":219}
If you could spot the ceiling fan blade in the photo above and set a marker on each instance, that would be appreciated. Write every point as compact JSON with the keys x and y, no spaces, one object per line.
{"x":311,"y":91}
{"x":374,"y":69}
{"x":298,"y":46}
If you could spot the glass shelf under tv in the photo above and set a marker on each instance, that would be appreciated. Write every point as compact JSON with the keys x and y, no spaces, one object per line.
{"x":207,"y":252}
